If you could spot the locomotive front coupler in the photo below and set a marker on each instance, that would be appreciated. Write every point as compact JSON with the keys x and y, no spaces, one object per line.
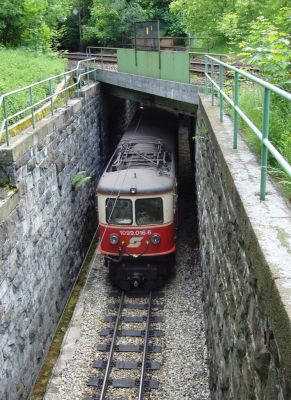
{"x":135,"y":279}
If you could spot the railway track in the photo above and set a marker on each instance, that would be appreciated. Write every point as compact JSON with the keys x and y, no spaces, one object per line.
{"x":196,"y":65}
{"x":140,"y":382}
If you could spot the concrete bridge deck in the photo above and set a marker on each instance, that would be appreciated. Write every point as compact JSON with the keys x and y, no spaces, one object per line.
{"x":182,"y":96}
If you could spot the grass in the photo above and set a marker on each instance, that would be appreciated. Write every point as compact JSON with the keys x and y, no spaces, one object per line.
{"x":21,"y":67}
{"x":251,"y":102}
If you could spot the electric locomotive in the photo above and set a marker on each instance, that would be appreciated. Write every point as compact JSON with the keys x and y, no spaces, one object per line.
{"x":137,"y":197}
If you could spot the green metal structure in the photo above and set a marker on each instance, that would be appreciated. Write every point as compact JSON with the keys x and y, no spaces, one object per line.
{"x":169,"y":65}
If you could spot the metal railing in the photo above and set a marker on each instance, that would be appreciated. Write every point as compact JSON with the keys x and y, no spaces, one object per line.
{"x":156,"y":43}
{"x":102,"y":54}
{"x":72,"y":81}
{"x":263,"y":135}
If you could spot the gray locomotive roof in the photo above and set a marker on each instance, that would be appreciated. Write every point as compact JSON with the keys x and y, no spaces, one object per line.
{"x":143,"y":179}
{"x":144,"y":158}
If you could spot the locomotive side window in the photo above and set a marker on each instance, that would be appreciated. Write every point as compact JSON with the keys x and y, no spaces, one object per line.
{"x":149,"y":211}
{"x":118,"y":211}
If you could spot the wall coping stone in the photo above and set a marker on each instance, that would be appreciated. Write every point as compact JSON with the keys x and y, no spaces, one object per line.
{"x":267,"y":233}
{"x":21,"y":143}
{"x":8,"y":203}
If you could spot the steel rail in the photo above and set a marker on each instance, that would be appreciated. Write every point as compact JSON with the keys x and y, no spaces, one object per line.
{"x":112,"y":346}
{"x":145,"y":350}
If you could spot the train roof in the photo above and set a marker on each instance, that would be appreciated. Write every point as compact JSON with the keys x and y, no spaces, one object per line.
{"x":145,"y":156}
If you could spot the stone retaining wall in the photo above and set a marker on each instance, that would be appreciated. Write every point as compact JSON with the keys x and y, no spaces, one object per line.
{"x":245,"y":250}
{"x":44,"y":238}
{"x":46,"y":227}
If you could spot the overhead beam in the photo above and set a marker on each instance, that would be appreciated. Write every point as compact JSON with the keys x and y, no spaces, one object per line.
{"x":151,"y":100}
{"x":183,"y":92}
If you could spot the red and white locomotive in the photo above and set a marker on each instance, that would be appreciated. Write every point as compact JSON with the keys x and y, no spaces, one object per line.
{"x":137,"y":202}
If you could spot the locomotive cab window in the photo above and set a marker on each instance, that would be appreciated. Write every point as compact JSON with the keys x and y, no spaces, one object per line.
{"x":118,"y":211}
{"x":149,"y":211}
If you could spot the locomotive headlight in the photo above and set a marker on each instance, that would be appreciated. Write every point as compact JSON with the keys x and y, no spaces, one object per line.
{"x":113,"y":238}
{"x":155,"y":238}
{"x":133,"y":190}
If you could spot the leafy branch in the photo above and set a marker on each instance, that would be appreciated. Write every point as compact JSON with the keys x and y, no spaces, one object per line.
{"x":80,"y":180}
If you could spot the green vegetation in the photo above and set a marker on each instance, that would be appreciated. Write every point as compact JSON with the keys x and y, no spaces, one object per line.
{"x":80,"y":180}
{"x":111,"y":22}
{"x":33,"y":23}
{"x":42,"y":24}
{"x":269,"y":48}
{"x":251,"y":102}
{"x":21,"y":67}
{"x":229,"y":21}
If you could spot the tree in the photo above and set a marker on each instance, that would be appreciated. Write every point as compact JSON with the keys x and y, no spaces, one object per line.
{"x":229,"y":20}
{"x":269,"y":49}
{"x":32,"y":23}
{"x":112,"y":22}
{"x":11,"y":15}
{"x":77,"y":18}
{"x":201,"y":17}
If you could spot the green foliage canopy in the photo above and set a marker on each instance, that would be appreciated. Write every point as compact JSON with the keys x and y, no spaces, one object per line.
{"x":268,"y":48}
{"x":32,"y":23}
{"x":111,"y":22}
{"x":227,"y":19}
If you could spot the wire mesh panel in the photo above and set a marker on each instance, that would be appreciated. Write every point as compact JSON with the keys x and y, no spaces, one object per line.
{"x":147,"y":35}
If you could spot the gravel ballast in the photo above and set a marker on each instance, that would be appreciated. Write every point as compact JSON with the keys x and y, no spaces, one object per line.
{"x":184,"y":369}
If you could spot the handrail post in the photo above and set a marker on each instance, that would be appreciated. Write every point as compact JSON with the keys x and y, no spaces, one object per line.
{"x":95,"y":69}
{"x":51,"y":95}
{"x":266,"y":121}
{"x":87,"y":70}
{"x":212,"y":85}
{"x":235,"y":115}
{"x":101,"y":55}
{"x":189,"y":66}
{"x":66,"y":93}
{"x":159,"y":46}
{"x":221,"y":84}
{"x":79,"y":79}
{"x":31,"y":105}
{"x":6,"y":122}
{"x":206,"y":77}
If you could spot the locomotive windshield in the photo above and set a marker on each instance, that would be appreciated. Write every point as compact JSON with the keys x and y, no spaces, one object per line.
{"x":149,"y":211}
{"x":118,"y":211}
